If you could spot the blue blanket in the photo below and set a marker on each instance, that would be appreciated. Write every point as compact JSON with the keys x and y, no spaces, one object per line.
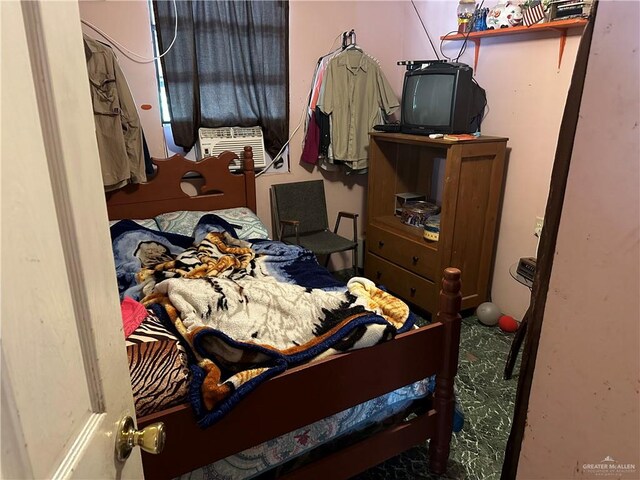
{"x":247,"y":310}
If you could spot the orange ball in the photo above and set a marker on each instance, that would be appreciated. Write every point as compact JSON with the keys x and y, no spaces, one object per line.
{"x":508,"y":324}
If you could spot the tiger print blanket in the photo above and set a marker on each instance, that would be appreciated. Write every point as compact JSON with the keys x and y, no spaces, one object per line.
{"x":249,"y":311}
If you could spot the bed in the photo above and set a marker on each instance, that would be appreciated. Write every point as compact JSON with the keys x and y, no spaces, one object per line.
{"x":311,"y":392}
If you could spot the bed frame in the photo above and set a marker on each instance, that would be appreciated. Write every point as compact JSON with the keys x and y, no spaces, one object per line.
{"x":324,"y":387}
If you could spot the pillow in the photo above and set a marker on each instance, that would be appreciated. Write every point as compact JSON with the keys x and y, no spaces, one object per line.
{"x":246,"y":224}
{"x":149,"y":223}
{"x":213,"y":223}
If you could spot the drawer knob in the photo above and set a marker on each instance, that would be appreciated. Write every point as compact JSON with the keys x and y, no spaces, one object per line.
{"x":413,"y":291}
{"x":380,"y":244}
{"x":415,"y":259}
{"x":378,"y":275}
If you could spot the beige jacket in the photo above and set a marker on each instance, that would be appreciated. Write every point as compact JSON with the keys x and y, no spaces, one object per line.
{"x":118,"y":129}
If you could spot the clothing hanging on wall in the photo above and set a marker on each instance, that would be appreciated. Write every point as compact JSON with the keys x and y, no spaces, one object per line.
{"x":354,"y":93}
{"x":118,"y":129}
{"x":311,"y":145}
{"x":348,"y":96}
{"x":148,"y":162}
{"x":317,"y":135}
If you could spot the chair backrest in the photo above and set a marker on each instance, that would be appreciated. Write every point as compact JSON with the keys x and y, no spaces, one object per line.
{"x":302,"y":201}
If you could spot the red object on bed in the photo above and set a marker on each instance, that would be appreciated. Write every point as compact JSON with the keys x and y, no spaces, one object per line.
{"x":133,"y":313}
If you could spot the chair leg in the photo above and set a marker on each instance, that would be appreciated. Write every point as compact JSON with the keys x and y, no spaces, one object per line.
{"x":355,"y":261}
{"x":326,"y":260}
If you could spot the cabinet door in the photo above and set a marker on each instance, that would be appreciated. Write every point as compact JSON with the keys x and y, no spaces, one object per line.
{"x":470,"y":210}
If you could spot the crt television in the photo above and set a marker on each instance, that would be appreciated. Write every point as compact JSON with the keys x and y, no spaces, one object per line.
{"x":440,"y":97}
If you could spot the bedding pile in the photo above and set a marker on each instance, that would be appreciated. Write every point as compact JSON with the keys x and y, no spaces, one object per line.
{"x":158,"y":367}
{"x":246,"y":311}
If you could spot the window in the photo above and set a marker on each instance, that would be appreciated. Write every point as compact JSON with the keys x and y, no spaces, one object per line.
{"x":229,"y":66}
{"x":162,"y":94}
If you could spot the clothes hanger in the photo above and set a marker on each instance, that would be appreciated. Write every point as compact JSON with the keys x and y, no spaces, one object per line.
{"x":351,"y":35}
{"x":354,"y":46}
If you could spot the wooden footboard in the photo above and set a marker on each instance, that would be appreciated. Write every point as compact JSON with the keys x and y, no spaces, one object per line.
{"x":311,"y":392}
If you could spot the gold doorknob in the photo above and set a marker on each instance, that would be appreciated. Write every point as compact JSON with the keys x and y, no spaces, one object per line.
{"x":150,"y":438}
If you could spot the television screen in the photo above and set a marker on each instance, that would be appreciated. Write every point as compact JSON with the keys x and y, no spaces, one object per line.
{"x":441,"y":97}
{"x":428,"y":100}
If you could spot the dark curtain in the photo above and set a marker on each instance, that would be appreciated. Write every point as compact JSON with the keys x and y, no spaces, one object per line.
{"x":229,"y":66}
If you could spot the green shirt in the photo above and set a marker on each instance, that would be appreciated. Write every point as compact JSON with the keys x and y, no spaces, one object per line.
{"x":355,"y":91}
{"x":118,"y":129}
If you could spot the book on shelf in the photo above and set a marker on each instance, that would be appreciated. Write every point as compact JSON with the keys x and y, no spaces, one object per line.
{"x":457,"y":137}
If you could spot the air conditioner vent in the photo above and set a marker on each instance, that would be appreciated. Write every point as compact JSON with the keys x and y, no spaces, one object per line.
{"x":214,"y":141}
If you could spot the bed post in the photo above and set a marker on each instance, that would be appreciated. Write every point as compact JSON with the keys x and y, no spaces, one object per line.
{"x":249,"y":178}
{"x":450,"y":299}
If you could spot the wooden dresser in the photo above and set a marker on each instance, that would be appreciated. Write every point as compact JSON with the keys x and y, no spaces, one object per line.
{"x":466,"y":179}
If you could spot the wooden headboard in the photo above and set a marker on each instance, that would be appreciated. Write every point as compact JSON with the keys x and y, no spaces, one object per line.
{"x":163,"y":193}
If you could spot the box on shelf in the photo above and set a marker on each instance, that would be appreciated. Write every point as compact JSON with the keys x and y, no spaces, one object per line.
{"x":402,"y":198}
{"x":565,"y":9}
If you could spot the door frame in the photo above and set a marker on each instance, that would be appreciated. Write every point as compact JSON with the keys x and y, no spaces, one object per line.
{"x":546,"y":250}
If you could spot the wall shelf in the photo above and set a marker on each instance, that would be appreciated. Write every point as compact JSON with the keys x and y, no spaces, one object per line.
{"x":562,"y":26}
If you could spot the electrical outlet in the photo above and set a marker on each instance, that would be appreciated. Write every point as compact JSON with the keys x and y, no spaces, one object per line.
{"x":537,"y":229}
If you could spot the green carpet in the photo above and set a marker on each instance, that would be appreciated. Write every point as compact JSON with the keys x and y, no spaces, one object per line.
{"x":487,"y":401}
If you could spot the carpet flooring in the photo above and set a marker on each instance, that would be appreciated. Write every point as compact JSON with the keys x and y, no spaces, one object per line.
{"x":487,"y":401}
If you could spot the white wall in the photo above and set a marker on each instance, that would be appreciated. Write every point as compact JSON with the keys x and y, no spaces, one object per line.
{"x":584,"y":403}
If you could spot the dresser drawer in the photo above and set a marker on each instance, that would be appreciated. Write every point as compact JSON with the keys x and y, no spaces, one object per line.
{"x":404,"y":284}
{"x":417,"y":258}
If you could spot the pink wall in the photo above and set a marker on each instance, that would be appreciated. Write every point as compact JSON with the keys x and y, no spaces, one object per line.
{"x":526,"y":95}
{"x":128,"y":23}
{"x":585,"y":394}
{"x":313,"y":28}
{"x":589,"y":345}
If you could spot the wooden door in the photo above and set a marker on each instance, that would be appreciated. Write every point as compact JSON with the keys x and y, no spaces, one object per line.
{"x":65,"y":379}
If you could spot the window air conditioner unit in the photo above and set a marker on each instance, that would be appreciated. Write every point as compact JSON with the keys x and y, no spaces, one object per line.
{"x":214,"y":141}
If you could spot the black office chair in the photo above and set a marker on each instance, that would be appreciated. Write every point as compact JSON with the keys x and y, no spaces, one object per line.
{"x":300,"y":214}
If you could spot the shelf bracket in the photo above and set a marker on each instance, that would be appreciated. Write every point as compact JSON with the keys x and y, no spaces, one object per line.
{"x":476,"y":54}
{"x":563,"y":42}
